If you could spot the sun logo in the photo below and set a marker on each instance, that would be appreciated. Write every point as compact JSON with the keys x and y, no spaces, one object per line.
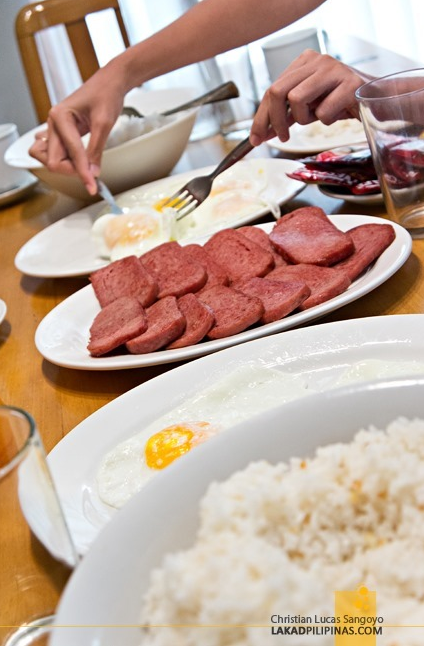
{"x":355,"y":610}
{"x":363,"y":600}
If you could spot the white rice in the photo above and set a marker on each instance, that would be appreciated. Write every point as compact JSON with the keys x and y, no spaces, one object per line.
{"x":343,"y":127}
{"x":281,"y":539}
{"x":127,"y":127}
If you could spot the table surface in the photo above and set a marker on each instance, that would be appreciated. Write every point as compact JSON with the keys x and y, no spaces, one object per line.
{"x":60,"y":398}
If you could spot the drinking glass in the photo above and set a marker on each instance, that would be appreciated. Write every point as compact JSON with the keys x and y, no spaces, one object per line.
{"x":392,"y":111}
{"x":26,"y":483}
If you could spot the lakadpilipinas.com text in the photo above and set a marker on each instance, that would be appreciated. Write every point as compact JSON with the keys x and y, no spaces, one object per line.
{"x":323,"y":625}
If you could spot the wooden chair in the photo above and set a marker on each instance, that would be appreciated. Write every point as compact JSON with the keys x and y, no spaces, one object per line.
{"x":37,"y":16}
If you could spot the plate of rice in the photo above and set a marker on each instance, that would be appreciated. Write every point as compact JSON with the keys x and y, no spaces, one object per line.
{"x":258,"y":529}
{"x":316,"y":136}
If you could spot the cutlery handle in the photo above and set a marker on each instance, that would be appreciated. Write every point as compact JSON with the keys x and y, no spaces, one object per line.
{"x":131,"y":112}
{"x":227,"y":90}
{"x":234,"y":156}
{"x":107,"y":195}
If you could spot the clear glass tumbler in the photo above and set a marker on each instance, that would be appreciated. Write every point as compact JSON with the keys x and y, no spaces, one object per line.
{"x":26,"y":614}
{"x":392,"y":111}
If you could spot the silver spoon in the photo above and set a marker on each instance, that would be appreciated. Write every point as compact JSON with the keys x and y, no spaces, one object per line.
{"x":227,"y":90}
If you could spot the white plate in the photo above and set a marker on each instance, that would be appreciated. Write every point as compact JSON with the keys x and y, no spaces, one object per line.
{"x":319,"y":353}
{"x":316,"y":137}
{"x":332,"y":191}
{"x":101,"y":605}
{"x":3,"y":310}
{"x":62,"y":336}
{"x":66,"y":248}
{"x":19,"y":192}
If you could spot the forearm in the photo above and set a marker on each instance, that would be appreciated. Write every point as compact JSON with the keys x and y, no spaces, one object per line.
{"x":209,"y":28}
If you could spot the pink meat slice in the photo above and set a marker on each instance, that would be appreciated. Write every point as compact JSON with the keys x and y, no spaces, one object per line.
{"x":165,"y":323}
{"x":370,"y":241}
{"x":199,"y":320}
{"x":240,"y":257}
{"x":279,"y":298}
{"x":175,"y":273}
{"x":216,"y":274}
{"x":255,"y":234}
{"x":124,"y":277}
{"x":115,"y":324}
{"x":233,"y":311}
{"x":324,"y":282}
{"x":307,"y":235}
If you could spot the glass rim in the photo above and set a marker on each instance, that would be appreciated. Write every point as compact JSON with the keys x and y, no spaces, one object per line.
{"x":387,"y":77}
{"x":20,"y":454}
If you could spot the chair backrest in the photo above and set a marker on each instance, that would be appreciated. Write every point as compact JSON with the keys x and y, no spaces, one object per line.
{"x":38,"y":16}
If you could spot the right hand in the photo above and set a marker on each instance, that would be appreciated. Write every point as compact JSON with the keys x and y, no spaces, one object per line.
{"x":316,"y":87}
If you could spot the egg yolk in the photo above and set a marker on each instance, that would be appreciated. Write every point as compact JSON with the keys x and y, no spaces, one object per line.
{"x":129,"y":229}
{"x":166,"y":446}
{"x":161,"y":203}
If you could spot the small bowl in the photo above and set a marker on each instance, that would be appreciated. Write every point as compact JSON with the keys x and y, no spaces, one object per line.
{"x":140,"y":160}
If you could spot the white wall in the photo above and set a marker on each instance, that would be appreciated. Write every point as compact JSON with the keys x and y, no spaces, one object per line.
{"x":15,"y":99}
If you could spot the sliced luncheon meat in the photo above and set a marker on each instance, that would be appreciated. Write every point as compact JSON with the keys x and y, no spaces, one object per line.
{"x":370,"y":241}
{"x":175,"y":273}
{"x":115,"y":324}
{"x":239,"y":278}
{"x":124,"y":277}
{"x":165,"y":323}
{"x":278,"y":297}
{"x":307,"y":235}
{"x":216,"y":274}
{"x":240,"y":257}
{"x":255,"y":234}
{"x":233,"y":311}
{"x":199,"y":320}
{"x":324,"y":282}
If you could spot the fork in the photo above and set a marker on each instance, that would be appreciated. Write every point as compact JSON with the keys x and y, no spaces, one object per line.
{"x":190,"y":196}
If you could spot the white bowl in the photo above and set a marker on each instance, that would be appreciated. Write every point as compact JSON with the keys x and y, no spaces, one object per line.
{"x":135,"y":162}
{"x":103,"y":596}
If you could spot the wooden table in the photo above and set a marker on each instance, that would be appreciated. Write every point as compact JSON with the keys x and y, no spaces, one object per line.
{"x":60,"y":398}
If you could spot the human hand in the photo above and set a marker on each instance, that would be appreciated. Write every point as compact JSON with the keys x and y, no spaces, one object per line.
{"x":315,"y":87}
{"x":93,"y":108}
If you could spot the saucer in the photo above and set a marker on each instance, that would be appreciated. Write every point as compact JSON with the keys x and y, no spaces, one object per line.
{"x":333,"y":191}
{"x":18,"y":192}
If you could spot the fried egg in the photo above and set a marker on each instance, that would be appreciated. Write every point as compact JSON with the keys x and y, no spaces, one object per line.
{"x":133,"y":233}
{"x":238,"y":193}
{"x":222,"y":209}
{"x":132,"y":464}
{"x":243,"y":393}
{"x":370,"y":369}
